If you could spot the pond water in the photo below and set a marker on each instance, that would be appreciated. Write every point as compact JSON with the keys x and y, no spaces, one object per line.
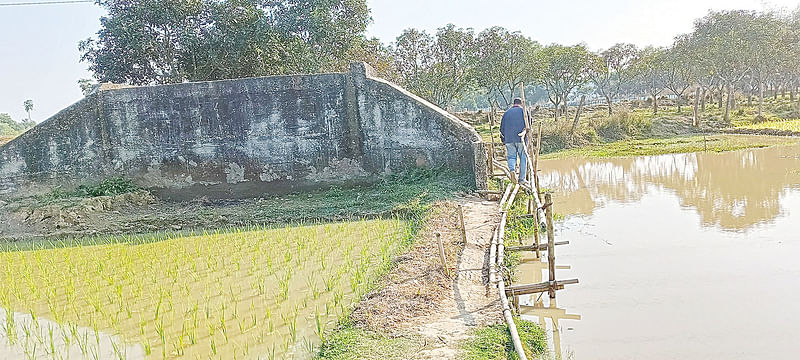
{"x":684,"y":256}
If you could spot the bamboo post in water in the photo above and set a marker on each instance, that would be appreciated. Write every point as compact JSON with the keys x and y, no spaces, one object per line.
{"x":551,"y":247}
{"x":536,"y":236}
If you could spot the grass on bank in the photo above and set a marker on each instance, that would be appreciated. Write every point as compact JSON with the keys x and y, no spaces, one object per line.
{"x":351,"y":343}
{"x":637,"y":131}
{"x":403,"y":194}
{"x":782,"y":125}
{"x":660,"y":146}
{"x":494,"y":342}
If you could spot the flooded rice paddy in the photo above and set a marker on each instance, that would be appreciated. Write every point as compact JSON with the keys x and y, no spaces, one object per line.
{"x":235,"y":294}
{"x":684,"y":256}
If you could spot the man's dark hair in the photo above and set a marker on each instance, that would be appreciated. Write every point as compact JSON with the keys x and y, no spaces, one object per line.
{"x":517,"y":101}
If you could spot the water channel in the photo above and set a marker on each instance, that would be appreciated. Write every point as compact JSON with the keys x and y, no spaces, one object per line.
{"x":683,"y":256}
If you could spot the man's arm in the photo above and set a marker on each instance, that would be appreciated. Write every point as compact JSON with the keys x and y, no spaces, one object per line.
{"x":502,"y":128}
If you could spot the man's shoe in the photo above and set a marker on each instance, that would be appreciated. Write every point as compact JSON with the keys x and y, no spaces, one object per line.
{"x":513,"y":177}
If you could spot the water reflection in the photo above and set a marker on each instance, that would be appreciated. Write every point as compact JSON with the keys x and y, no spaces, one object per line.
{"x":555,"y":314}
{"x":540,"y":307}
{"x":732,"y":190}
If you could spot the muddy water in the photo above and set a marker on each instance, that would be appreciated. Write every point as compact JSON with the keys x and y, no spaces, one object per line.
{"x":686,"y":256}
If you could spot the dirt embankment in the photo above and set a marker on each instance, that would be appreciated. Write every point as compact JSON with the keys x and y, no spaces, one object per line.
{"x":132,"y":213}
{"x":419,"y":299}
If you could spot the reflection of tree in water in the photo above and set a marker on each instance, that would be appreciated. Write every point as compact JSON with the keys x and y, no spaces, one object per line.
{"x":734,"y":190}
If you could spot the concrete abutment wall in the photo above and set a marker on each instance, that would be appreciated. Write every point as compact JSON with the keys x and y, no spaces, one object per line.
{"x":242,"y":138}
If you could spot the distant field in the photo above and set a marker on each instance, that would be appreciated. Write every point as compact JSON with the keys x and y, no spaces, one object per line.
{"x":241,"y":293}
{"x":783,"y":125}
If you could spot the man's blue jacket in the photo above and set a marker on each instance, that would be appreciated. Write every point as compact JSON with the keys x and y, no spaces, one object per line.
{"x":512,"y":124}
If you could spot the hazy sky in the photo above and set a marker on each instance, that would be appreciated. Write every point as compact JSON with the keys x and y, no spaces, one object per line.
{"x":39,"y":56}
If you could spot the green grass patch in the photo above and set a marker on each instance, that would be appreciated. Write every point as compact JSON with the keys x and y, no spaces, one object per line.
{"x":351,"y":343}
{"x":108,"y":187}
{"x":659,"y":146}
{"x":494,"y":342}
{"x":783,"y":125}
{"x":406,"y":195}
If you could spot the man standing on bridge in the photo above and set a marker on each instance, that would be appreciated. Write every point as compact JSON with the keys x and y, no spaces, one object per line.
{"x":511,"y":130}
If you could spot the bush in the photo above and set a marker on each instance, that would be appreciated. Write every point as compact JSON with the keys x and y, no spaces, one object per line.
{"x":623,"y":124}
{"x":108,"y":187}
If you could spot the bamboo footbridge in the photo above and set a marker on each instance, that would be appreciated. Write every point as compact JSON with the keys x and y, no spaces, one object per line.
{"x":539,"y":207}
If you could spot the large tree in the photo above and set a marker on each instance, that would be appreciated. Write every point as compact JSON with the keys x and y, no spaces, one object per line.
{"x":168,"y":41}
{"x":9,"y":127}
{"x":769,"y":39}
{"x":565,"y":69}
{"x":506,"y":60}
{"x":440,"y":69}
{"x":613,"y":73}
{"x":722,"y":41}
{"x":650,"y":73}
{"x":679,"y":71}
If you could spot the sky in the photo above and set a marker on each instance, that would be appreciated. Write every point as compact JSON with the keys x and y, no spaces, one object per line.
{"x":39,"y":56}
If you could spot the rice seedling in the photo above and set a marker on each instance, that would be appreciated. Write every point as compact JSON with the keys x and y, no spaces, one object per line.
{"x":175,"y":295}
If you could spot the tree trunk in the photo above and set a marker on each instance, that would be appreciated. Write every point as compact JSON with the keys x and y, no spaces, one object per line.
{"x":680,"y":99}
{"x":696,"y":121}
{"x":655,"y":104}
{"x":761,"y":100}
{"x":609,"y":102}
{"x":703,"y":101}
{"x":728,"y":106}
{"x":577,"y":116}
{"x":556,"y":108}
{"x":710,"y":97}
{"x":721,"y":96}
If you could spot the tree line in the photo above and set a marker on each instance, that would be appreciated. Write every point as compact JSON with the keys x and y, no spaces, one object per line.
{"x":728,"y":52}
{"x":170,"y":41}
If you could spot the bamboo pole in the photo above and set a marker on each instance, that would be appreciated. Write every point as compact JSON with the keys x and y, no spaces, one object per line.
{"x":501,"y":288}
{"x":513,"y":196}
{"x":551,"y":248}
{"x":542,"y":247}
{"x":493,"y":259}
{"x":506,"y":172}
{"x":527,"y":140}
{"x":441,"y":254}
{"x":536,"y":164}
{"x":491,"y":146}
{"x":505,"y":196}
{"x":461,"y":220}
